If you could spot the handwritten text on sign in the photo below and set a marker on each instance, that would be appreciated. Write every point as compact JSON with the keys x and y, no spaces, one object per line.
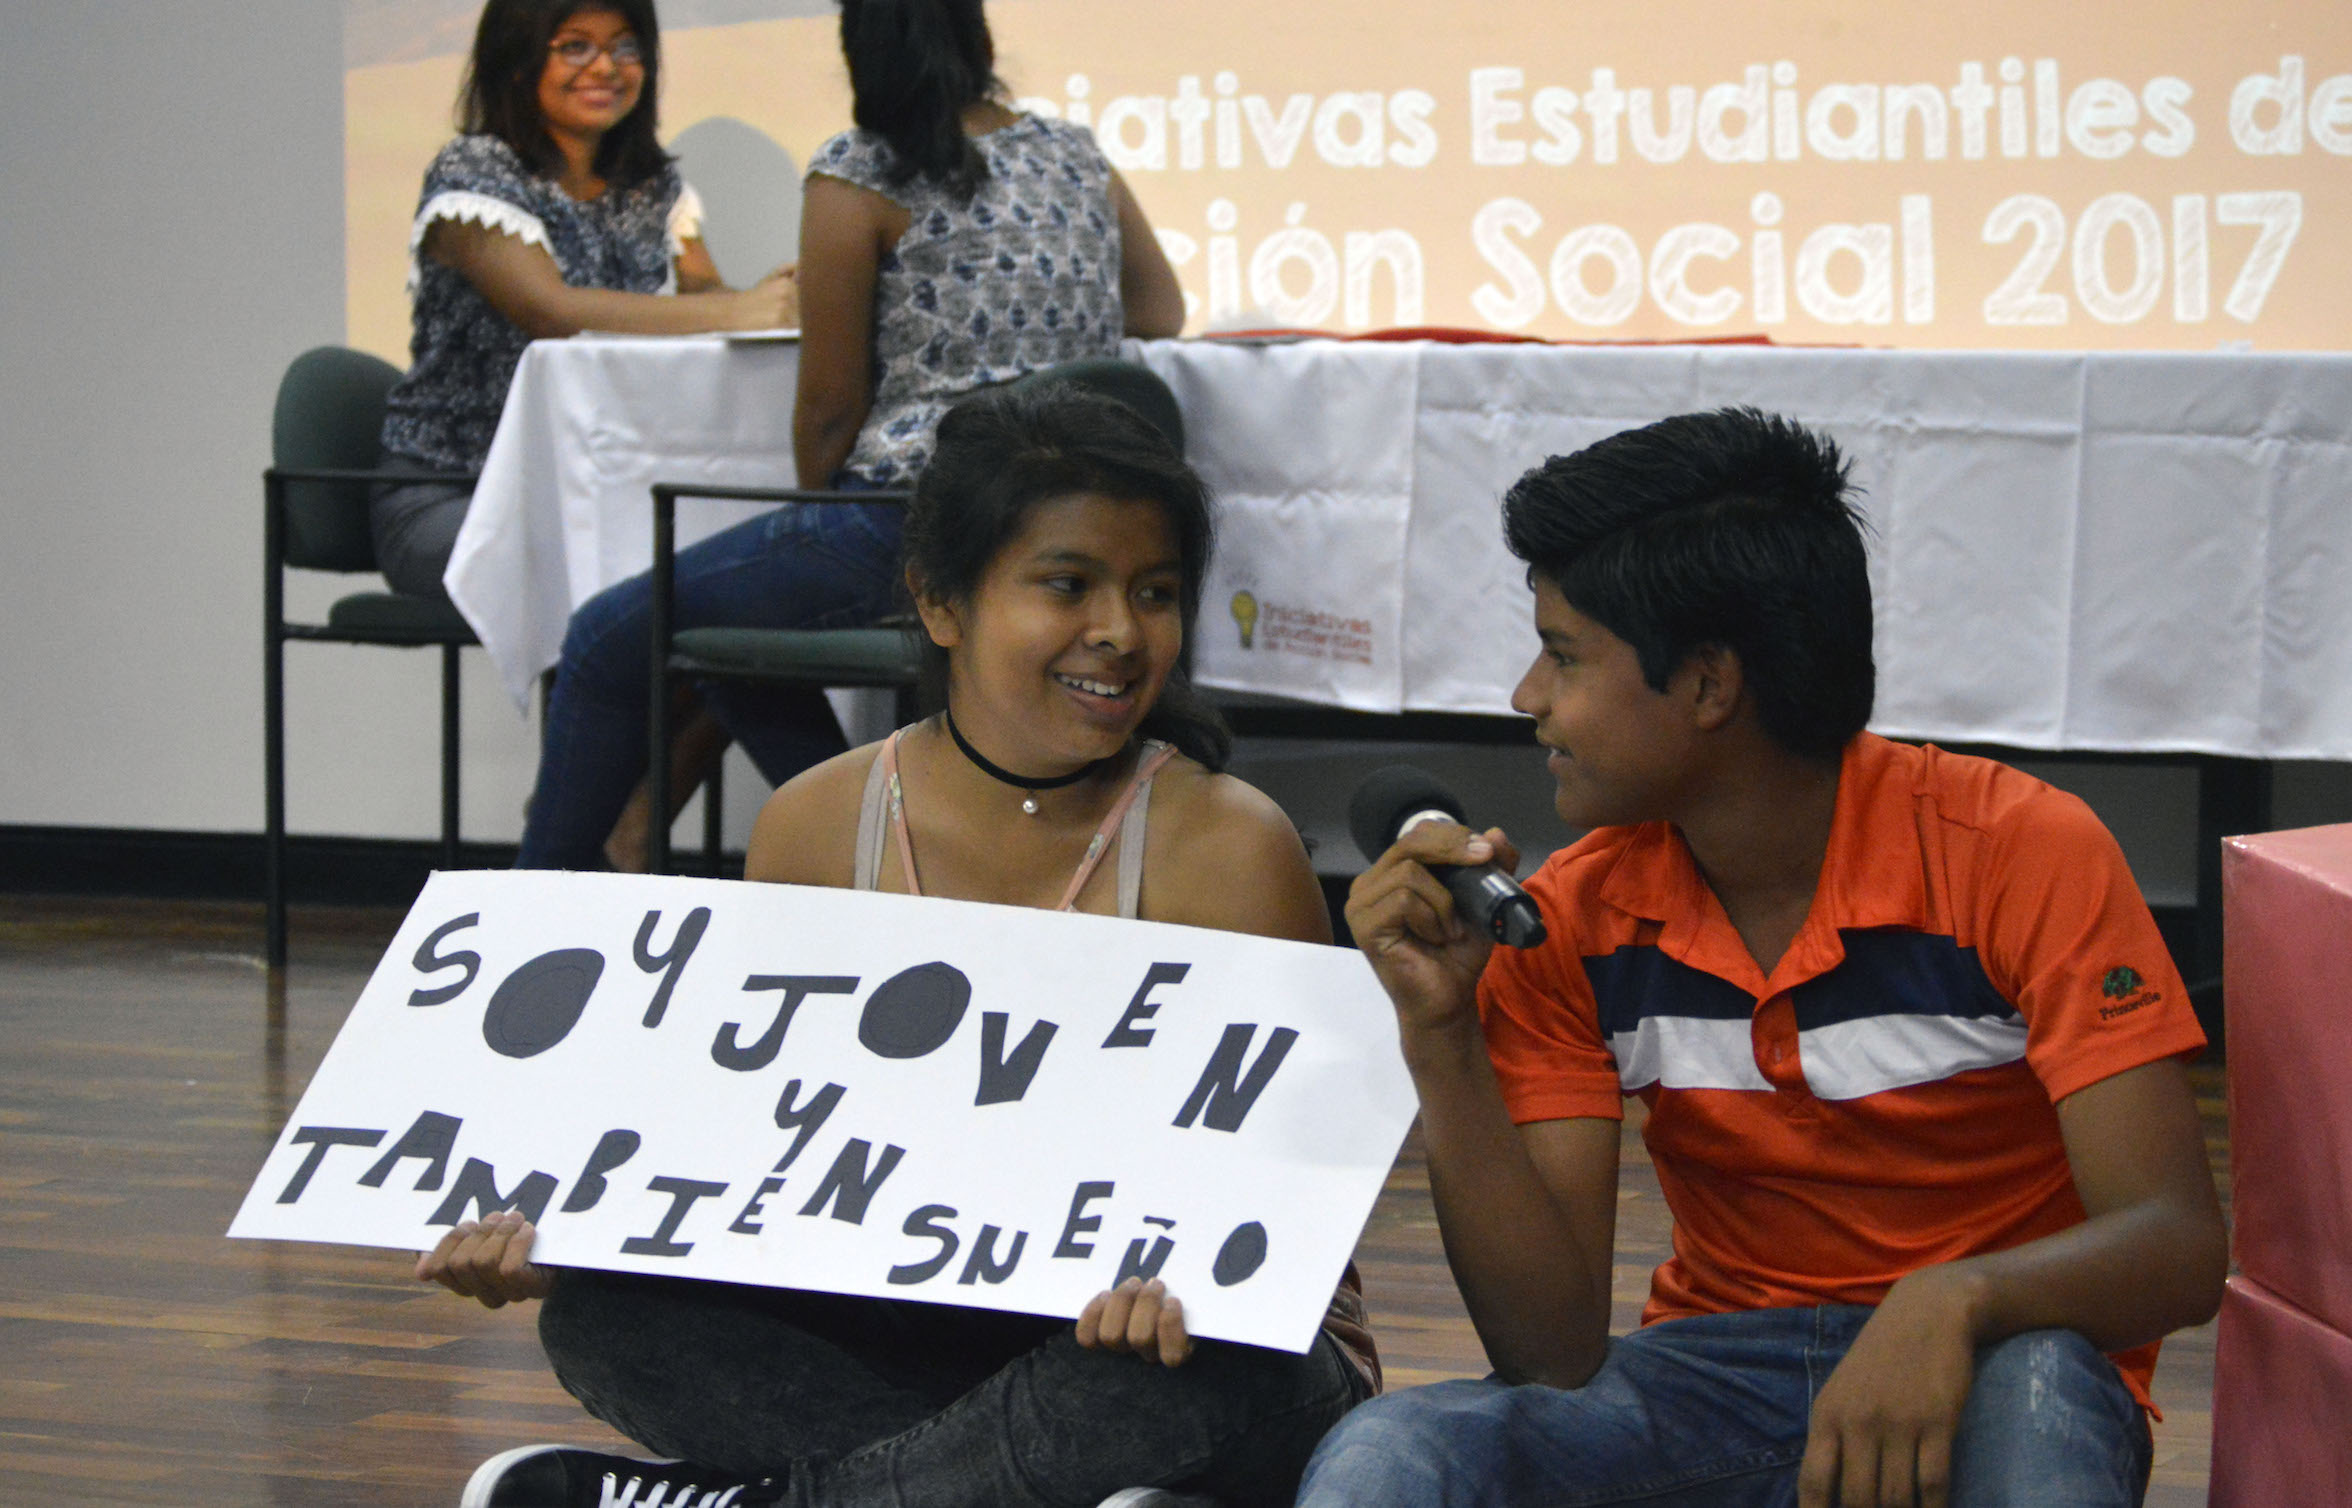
{"x":872,"y":1094}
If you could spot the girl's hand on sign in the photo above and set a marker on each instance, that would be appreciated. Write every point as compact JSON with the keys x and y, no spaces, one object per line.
{"x":1140,"y":1317}
{"x":488,"y":1260}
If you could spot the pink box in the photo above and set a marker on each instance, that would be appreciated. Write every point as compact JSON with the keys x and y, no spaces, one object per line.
{"x":2281,"y":1382}
{"x":2287,"y":984}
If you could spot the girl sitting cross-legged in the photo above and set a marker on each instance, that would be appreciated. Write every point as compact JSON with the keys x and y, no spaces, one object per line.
{"x":1055,"y":550}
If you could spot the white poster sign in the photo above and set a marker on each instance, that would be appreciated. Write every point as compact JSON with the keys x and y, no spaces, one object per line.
{"x":870,"y":1094}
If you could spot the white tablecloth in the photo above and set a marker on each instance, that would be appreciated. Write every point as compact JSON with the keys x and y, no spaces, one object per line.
{"x":563,"y":508}
{"x":2128,"y":552}
{"x":2133,"y":551}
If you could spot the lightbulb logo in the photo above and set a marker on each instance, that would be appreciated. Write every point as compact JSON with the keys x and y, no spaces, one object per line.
{"x":1245,"y":617}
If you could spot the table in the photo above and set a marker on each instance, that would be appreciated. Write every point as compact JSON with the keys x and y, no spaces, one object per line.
{"x":2127,"y":552}
{"x":2143,"y":552}
{"x":563,"y":508}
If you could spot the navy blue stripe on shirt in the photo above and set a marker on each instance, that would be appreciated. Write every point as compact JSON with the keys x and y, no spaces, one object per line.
{"x":1639,"y":981}
{"x":1893,"y":972}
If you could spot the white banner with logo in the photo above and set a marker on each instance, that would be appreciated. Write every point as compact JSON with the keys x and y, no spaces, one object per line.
{"x":1312,"y":465}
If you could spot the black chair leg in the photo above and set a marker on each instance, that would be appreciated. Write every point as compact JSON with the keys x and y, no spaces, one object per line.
{"x":273,"y":737}
{"x":714,"y":811}
{"x":657,"y":750}
{"x":273,"y":724}
{"x":449,"y":793}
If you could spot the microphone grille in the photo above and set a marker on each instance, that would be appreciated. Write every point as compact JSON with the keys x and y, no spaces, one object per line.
{"x":1388,"y":796}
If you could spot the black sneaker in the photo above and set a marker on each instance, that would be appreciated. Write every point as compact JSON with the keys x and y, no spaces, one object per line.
{"x":564,"y":1476}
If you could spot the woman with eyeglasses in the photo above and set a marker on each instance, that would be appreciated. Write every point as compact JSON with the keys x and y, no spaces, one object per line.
{"x":555,"y":211}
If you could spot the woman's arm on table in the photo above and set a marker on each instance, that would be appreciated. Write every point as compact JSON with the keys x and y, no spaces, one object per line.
{"x":1148,"y":290}
{"x":844,"y":231}
{"x":522,"y":282}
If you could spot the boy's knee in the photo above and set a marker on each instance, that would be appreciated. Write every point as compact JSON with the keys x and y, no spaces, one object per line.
{"x":1395,"y":1449}
{"x":2049,"y":1417}
{"x":2042,"y":1372}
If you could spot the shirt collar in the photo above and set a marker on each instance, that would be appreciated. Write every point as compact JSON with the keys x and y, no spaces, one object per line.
{"x":1870,"y":876}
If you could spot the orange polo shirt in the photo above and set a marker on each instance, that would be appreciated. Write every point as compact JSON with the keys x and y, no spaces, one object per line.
{"x":1976,"y":951}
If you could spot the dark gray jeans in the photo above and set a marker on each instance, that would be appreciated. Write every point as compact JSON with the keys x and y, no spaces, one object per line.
{"x":855,"y":1401}
{"x":414,"y":526}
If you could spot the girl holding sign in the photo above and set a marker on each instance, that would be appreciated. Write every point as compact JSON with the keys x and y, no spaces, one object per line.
{"x":1055,"y":550}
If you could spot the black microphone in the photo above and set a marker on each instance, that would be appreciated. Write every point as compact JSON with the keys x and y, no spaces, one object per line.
{"x":1400,"y":797}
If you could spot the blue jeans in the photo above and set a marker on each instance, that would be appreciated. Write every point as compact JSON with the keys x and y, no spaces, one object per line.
{"x":805,"y":565}
{"x":1712,"y":1411}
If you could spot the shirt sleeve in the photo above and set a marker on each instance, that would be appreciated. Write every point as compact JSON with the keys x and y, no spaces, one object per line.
{"x":474,"y":184}
{"x":853,"y":157}
{"x":2067,"y":937}
{"x":685,"y":220}
{"x":1543,"y":1031}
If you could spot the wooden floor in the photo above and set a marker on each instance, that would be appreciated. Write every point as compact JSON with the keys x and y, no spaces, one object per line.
{"x":146,"y":1064}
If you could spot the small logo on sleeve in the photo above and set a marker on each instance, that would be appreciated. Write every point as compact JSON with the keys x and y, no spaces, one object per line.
{"x":2122,"y":987}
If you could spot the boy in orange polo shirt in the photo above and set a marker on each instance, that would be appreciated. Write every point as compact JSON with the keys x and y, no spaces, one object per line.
{"x":1909,"y":1040}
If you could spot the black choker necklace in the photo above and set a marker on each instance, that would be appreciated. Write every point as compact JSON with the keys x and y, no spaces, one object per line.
{"x":1024,"y":782}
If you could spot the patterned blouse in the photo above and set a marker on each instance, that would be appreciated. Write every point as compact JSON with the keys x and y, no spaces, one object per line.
{"x":462,"y":355}
{"x":1025,"y":275}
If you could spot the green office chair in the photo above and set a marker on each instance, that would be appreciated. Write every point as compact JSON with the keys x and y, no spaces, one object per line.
{"x":882,"y":656}
{"x":325,"y":445}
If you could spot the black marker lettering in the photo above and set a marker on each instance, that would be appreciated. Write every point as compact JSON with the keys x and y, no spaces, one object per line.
{"x":847,"y":1183}
{"x":683,"y":1192}
{"x":430,"y":962}
{"x":1127,"y":1033}
{"x":672,"y":963}
{"x":745,"y":1224}
{"x":806,"y":1118}
{"x":983,"y":1266}
{"x":927,"y":1223}
{"x":1080,"y":1223}
{"x":913,"y":1012}
{"x":1003,"y":1079}
{"x":431,"y":1137}
{"x":477,"y":1185}
{"x":796,"y":988}
{"x":1224,"y":1089}
{"x":320,"y":1139}
{"x":537,"y":1005}
{"x":1243,"y":1253}
{"x":612,"y":1149}
{"x":1137,"y":1263}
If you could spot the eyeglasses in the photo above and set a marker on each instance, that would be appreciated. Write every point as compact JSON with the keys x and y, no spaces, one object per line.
{"x":579,"y":53}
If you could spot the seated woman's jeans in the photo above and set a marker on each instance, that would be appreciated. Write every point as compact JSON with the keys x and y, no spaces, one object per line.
{"x":1711,"y":1412}
{"x":907,"y":1405}
{"x":805,"y":565}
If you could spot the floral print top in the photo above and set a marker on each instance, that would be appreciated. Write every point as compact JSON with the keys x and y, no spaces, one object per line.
{"x":1024,"y":275}
{"x":462,"y":353}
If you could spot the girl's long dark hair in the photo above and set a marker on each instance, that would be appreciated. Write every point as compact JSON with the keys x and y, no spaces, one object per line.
{"x":1005,"y":450}
{"x":915,"y":66}
{"x":500,"y":94}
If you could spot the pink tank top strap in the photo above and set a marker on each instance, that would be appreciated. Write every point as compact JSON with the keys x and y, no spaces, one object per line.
{"x":898,"y":825}
{"x":1155,"y":755}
